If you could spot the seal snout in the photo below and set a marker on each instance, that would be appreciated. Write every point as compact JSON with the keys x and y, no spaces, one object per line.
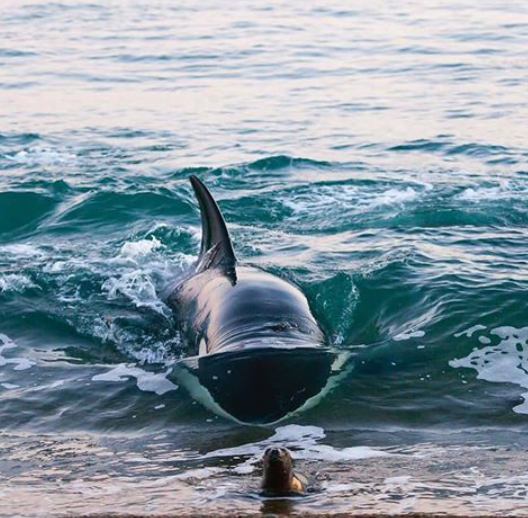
{"x":273,"y":452}
{"x":276,"y":454}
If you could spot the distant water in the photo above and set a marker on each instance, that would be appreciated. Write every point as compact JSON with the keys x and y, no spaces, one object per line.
{"x":375,"y":153}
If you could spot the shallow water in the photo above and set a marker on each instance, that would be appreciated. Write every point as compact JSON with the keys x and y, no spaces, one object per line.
{"x":375,"y":154}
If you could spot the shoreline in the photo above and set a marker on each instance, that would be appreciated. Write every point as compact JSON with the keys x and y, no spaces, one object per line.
{"x":302,"y":514}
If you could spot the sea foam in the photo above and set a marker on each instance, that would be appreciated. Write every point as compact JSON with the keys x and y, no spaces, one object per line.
{"x":146,"y":381}
{"x":505,"y":361}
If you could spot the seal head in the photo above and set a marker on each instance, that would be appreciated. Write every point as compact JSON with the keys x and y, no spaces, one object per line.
{"x":279,"y":479}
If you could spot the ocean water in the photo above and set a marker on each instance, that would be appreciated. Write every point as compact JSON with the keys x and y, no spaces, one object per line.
{"x":374,"y":153}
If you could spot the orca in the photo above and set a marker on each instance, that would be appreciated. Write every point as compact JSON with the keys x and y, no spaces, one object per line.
{"x":251,"y":339}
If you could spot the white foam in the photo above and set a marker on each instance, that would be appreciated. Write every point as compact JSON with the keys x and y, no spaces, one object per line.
{"x":407,"y":335}
{"x":21,"y":250}
{"x":197,"y":474}
{"x":146,"y":381}
{"x":330,"y":487}
{"x":159,"y":352}
{"x":504,"y":362}
{"x":303,"y":443}
{"x":138,"y":287}
{"x":397,"y":480}
{"x":139,"y":249}
{"x":9,"y":386}
{"x":138,"y":270}
{"x":15,"y":282}
{"x":42,"y":155}
{"x":19,"y":364}
{"x":470,"y":330}
{"x":349,"y":197}
{"x":395,"y":197}
{"x":480,"y":194}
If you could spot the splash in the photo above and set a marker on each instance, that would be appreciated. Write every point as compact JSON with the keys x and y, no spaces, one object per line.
{"x":505,"y":361}
{"x":303,"y":441}
{"x":15,"y":283}
{"x":136,"y":250}
{"x":146,"y":381}
{"x":19,"y":364}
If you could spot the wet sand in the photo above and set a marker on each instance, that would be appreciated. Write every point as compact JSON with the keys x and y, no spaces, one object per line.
{"x":270,"y":514}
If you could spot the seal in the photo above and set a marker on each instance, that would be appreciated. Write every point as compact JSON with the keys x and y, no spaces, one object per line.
{"x":259,"y":351}
{"x":278,"y":477}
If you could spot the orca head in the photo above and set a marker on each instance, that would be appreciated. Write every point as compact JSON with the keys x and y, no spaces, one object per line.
{"x":265,"y":385}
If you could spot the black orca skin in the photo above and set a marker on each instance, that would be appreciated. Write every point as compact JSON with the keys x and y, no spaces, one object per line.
{"x":260,"y":352}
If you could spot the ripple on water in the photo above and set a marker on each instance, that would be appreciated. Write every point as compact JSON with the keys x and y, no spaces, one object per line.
{"x":364,"y":154}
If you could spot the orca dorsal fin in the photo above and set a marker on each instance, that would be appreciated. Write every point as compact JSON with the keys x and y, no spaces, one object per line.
{"x":216,"y":250}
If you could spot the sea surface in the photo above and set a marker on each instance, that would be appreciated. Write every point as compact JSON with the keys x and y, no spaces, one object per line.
{"x":374,"y":153}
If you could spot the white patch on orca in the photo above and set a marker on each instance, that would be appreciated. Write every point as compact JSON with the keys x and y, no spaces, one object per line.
{"x":198,"y":392}
{"x":504,"y":362}
{"x":303,"y":442}
{"x":470,"y":330}
{"x":19,"y":364}
{"x":339,"y":370}
{"x":146,"y":381}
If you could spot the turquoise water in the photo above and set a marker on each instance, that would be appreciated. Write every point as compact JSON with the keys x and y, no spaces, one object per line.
{"x":373,"y":153}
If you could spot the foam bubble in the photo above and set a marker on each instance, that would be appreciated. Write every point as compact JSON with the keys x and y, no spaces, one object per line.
{"x":15,"y":282}
{"x":470,"y":330}
{"x":348,"y":197}
{"x":303,"y":443}
{"x":138,"y":287}
{"x":139,"y":270}
{"x":19,"y":364}
{"x":481,"y":194}
{"x":139,"y":249}
{"x":198,"y":474}
{"x":505,"y":362}
{"x":42,"y":155}
{"x":395,"y":196}
{"x":503,"y":190}
{"x":407,"y":335}
{"x":21,"y":250}
{"x":146,"y":381}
